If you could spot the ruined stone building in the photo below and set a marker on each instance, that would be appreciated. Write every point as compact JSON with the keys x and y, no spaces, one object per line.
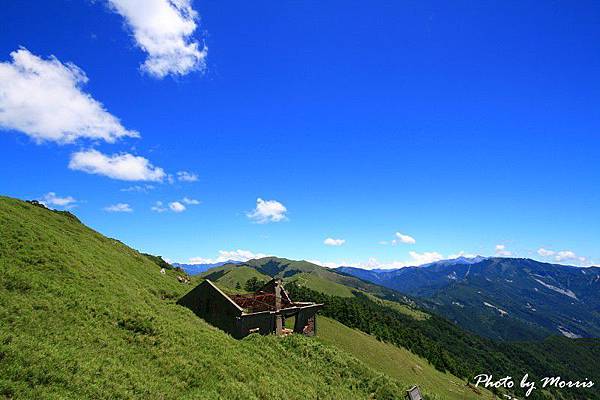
{"x":264,"y":311}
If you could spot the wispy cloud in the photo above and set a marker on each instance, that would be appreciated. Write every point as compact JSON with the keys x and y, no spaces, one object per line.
{"x":545,"y":253}
{"x":565,"y":255}
{"x":158,"y":207}
{"x":177,"y":207}
{"x":185,"y":176}
{"x":425,"y":258}
{"x":174,"y":206}
{"x":562,"y":255}
{"x":228,"y":255}
{"x":44,"y":100}
{"x":502,"y":251}
{"x":402,"y":238}
{"x":121,"y":166}
{"x":190,"y":202}
{"x":139,"y":188}
{"x":461,"y":254}
{"x":268,"y":211}
{"x":416,"y":259}
{"x":164,"y":30}
{"x":51,"y":199}
{"x":334,"y":242}
{"x":119,"y":208}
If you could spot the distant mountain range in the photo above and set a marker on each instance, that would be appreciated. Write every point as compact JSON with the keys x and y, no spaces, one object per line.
{"x":195,"y":269}
{"x":502,"y":298}
{"x":387,"y":277}
{"x":470,"y":293}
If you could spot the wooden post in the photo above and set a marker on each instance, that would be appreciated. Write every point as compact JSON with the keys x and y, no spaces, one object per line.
{"x":278,"y":316}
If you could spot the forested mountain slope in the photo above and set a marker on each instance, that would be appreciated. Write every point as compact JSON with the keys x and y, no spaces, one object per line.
{"x":503,"y":298}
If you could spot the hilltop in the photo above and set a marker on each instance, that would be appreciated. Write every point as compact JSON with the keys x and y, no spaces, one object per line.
{"x":85,"y":316}
{"x":305,"y":273}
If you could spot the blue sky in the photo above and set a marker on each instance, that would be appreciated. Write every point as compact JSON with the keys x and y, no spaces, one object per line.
{"x":402,"y":131}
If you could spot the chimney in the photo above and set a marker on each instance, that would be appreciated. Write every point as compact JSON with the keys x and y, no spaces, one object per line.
{"x":278,"y":316}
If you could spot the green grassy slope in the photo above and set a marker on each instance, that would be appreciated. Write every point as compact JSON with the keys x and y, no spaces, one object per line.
{"x":287,"y":269}
{"x":396,"y":362}
{"x":320,"y":284}
{"x":84,"y":316}
{"x":307,"y":275}
{"x":231,"y":277}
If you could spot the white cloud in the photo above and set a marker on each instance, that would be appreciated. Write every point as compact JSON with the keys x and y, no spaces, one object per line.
{"x":174,"y":206}
{"x":191,"y":202}
{"x":224,"y":255}
{"x":52,"y":200}
{"x":501,"y":251}
{"x":44,"y":100}
{"x":425,"y":258}
{"x":328,"y":264}
{"x":416,"y":259}
{"x":334,"y":242}
{"x":268,"y":211}
{"x":139,"y":188}
{"x":158,"y":207}
{"x":545,"y":253}
{"x":164,"y":30}
{"x":401,"y":238}
{"x":461,"y":254}
{"x":562,"y":256}
{"x":177,"y":207}
{"x":119,"y":208}
{"x":565,"y":255}
{"x":122,"y":166}
{"x":185,"y":176}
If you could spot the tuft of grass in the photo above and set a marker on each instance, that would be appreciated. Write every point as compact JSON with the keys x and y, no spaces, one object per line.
{"x":137,"y":325}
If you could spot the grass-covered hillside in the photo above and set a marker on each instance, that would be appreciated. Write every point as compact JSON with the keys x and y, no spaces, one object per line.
{"x":304,"y":273}
{"x":234,"y":278}
{"x":84,"y":316}
{"x":397,"y":362}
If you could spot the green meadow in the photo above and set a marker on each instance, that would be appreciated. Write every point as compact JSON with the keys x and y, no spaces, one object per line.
{"x":85,"y":316}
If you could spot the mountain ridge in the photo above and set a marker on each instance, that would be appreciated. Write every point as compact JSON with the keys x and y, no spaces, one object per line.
{"x":195,"y":269}
{"x":483,"y":296}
